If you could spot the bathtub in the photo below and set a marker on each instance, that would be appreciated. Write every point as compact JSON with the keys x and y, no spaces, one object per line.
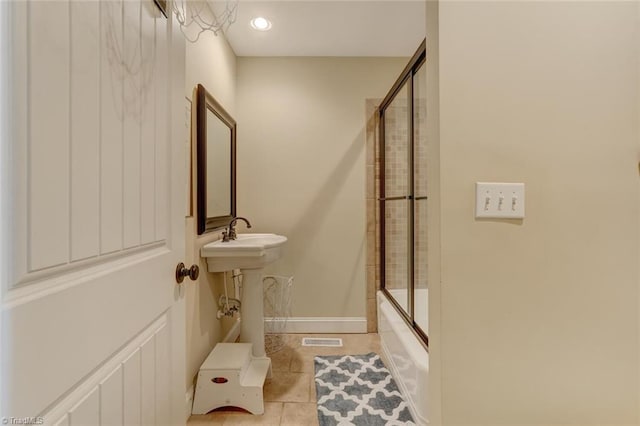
{"x":404,"y":355}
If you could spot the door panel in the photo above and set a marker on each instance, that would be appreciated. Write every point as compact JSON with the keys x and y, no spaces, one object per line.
{"x":87,"y":411}
{"x":162,"y":108}
{"x":149,"y":51}
{"x":112,"y":117}
{"x":111,"y":401}
{"x":132,"y":388}
{"x":147,"y":382}
{"x":63,"y":421}
{"x":78,"y":170}
{"x":91,"y":258}
{"x":79,"y":326}
{"x":133,"y":96}
{"x":85,"y":131}
{"x":48,"y":135}
{"x":120,"y":387}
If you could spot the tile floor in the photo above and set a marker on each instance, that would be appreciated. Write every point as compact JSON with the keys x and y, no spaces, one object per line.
{"x":290,"y":395}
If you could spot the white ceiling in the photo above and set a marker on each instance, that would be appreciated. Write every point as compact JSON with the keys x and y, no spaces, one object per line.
{"x":329,"y":28}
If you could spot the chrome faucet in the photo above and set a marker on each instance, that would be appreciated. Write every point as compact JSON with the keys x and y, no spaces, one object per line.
{"x":230,"y":233}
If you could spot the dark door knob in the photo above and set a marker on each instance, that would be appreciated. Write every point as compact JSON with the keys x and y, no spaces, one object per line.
{"x":182,"y":272}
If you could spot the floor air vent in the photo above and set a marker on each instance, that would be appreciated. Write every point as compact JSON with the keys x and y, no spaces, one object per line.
{"x":319,"y":341}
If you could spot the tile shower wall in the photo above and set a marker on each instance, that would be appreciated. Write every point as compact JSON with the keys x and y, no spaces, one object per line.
{"x":420,"y":182}
{"x":396,"y":184}
{"x":373,"y":213}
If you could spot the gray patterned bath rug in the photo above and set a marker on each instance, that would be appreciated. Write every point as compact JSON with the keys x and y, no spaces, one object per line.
{"x":358,"y":390}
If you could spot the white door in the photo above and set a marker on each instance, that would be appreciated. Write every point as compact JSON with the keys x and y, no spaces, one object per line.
{"x":93,"y":197}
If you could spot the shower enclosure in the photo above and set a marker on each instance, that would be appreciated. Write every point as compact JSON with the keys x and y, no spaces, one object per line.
{"x":403,"y":195}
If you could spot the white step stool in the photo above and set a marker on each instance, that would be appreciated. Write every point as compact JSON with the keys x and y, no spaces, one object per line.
{"x":231,"y":376}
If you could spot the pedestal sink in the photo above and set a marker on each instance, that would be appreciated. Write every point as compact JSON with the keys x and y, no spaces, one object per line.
{"x":250,"y":253}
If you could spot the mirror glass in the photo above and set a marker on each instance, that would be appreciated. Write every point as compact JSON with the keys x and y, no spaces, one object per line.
{"x":216,"y":161}
{"x":218,"y":166}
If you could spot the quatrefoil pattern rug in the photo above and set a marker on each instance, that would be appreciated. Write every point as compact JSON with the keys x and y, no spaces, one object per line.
{"x":358,"y":390}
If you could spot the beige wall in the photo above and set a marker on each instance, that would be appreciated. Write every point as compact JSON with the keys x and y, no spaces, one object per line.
{"x":301,"y":169}
{"x":212,"y":63}
{"x":539,"y":318}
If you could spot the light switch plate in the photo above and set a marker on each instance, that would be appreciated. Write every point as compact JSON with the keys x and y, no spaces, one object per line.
{"x":500,"y":200}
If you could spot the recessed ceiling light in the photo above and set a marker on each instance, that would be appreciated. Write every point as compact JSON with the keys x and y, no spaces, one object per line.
{"x":261,"y":24}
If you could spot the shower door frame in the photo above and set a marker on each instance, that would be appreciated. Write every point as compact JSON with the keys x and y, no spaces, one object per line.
{"x":407,"y":76}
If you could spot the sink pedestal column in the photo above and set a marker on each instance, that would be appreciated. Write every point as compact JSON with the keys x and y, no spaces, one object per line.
{"x":252,"y":311}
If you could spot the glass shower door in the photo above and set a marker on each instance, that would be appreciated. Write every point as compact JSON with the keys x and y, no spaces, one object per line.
{"x":420,"y":293}
{"x":396,"y":197}
{"x":403,"y":195}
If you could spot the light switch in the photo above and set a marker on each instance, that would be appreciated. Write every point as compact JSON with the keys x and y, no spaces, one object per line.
{"x":500,"y":200}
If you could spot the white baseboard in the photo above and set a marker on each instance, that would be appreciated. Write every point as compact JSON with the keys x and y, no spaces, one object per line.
{"x":317,"y":325}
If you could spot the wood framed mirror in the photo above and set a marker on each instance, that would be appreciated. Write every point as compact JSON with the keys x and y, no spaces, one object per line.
{"x":216,"y":163}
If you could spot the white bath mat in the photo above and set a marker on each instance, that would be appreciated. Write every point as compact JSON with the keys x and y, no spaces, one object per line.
{"x":322,"y":341}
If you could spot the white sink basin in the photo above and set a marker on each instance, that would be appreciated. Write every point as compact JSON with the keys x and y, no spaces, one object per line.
{"x":248,"y":251}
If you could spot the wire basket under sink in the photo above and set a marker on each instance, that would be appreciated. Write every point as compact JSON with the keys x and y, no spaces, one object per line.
{"x":277,"y":310}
